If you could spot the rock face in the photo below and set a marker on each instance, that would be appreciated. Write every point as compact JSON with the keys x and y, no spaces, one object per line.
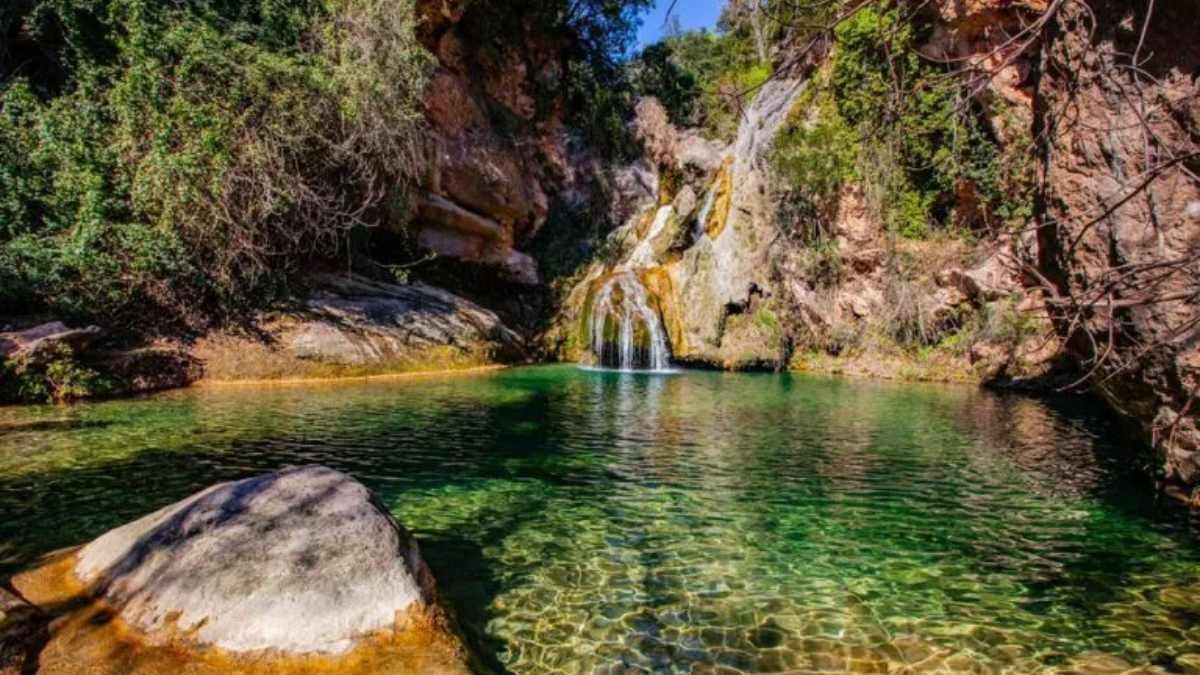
{"x":1119,"y":242}
{"x":724,"y":278}
{"x":1109,"y":91}
{"x":487,"y":190}
{"x":350,"y":325}
{"x":300,"y":563}
{"x":704,"y":251}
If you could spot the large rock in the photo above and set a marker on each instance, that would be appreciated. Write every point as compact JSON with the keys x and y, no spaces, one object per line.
{"x":302,"y":560}
{"x":300,"y":563}
{"x":350,"y":325}
{"x":1120,"y":232}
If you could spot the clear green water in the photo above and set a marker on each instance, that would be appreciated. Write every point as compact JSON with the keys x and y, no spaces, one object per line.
{"x":584,"y":521}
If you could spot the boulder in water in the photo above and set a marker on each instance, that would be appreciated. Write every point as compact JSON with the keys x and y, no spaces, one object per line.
{"x":298,"y":564}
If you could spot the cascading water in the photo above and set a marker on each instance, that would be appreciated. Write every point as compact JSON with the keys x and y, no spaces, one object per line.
{"x":626,"y":330}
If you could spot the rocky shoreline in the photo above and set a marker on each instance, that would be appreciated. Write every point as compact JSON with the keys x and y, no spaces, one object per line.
{"x":347,"y":327}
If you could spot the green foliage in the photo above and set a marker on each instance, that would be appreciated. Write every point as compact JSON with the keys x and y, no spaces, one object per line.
{"x":658,"y":72}
{"x":698,"y":76}
{"x":815,"y":153}
{"x":53,"y":377}
{"x":200,"y":151}
{"x":769,"y":322}
{"x":920,"y":146}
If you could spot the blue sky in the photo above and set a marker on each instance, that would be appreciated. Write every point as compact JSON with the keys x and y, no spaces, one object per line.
{"x":691,"y":13}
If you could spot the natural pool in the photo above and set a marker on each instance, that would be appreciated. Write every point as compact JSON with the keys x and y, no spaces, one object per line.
{"x":587,"y":520}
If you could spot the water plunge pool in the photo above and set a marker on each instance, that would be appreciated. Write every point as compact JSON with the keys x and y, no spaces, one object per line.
{"x":588,"y":520}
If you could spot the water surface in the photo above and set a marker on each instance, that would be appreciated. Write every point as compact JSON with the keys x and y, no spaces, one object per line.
{"x":589,"y":520}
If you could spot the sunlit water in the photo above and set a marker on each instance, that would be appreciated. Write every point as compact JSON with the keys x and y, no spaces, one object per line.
{"x":586,"y":520}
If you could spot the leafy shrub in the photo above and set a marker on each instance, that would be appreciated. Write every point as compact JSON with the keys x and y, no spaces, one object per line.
{"x":53,"y":377}
{"x":814,"y":155}
{"x":699,"y":75}
{"x":925,"y":142}
{"x":201,"y":151}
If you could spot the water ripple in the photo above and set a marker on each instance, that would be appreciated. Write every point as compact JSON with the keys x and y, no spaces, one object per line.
{"x":609,"y":522}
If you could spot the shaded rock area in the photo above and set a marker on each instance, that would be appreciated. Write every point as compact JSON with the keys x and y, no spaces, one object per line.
{"x":350,"y":325}
{"x":50,"y":360}
{"x":23,"y":632}
{"x":38,"y":341}
{"x":1119,"y":243}
{"x":347,"y":326}
{"x":292,"y":571}
{"x":498,"y":155}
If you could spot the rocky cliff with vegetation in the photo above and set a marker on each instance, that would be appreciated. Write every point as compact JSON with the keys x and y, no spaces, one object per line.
{"x":992,"y":192}
{"x":298,"y":189}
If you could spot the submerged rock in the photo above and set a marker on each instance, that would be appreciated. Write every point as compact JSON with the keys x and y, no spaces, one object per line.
{"x":300,"y":563}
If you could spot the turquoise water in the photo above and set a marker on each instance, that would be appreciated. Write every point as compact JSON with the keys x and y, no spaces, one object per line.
{"x":585,"y":521}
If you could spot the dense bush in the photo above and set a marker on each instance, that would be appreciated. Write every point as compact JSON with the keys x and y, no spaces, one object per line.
{"x":904,"y":127}
{"x":54,"y":376}
{"x":815,"y":153}
{"x":175,"y":161}
{"x":699,"y":75}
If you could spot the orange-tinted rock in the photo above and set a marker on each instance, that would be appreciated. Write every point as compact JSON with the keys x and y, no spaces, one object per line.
{"x":503,"y":176}
{"x":297,"y":571}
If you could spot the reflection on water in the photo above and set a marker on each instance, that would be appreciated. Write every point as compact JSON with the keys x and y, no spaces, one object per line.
{"x":584,"y":520}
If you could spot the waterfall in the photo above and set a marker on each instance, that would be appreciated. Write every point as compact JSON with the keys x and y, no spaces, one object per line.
{"x":626,"y":331}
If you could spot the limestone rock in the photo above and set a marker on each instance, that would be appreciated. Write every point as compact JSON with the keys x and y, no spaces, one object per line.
{"x":994,"y":278}
{"x":299,"y":561}
{"x":350,"y":325}
{"x":727,"y":273}
{"x":660,"y":138}
{"x":1094,"y":162}
{"x":373,"y":319}
{"x":296,"y":571}
{"x":698,"y":154}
